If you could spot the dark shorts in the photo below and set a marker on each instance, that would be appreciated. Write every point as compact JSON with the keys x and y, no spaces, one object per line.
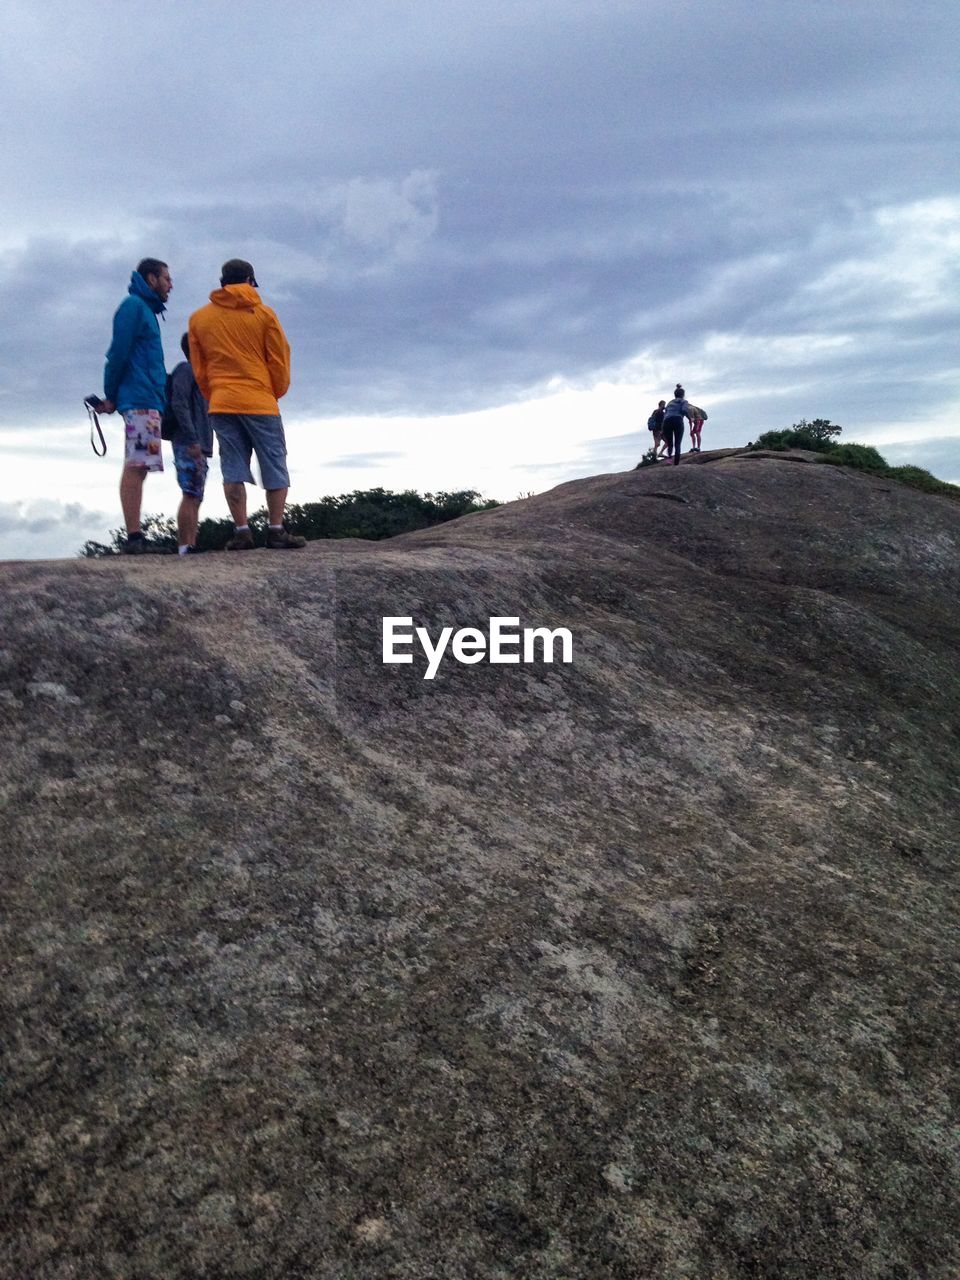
{"x":242,"y":434}
{"x":191,"y":475}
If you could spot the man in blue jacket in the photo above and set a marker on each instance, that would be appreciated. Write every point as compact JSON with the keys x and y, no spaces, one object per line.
{"x":135,"y":382}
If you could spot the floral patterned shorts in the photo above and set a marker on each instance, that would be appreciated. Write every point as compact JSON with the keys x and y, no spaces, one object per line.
{"x":142,"y":428}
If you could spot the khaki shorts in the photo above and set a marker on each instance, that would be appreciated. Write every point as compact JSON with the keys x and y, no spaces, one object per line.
{"x":142,"y":447}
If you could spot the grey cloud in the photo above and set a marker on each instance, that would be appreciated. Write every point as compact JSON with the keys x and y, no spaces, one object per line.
{"x":475,"y":201}
{"x":364,"y":459}
{"x":43,"y":517}
{"x":609,"y":453}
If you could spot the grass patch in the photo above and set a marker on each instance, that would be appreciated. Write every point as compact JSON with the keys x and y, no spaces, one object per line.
{"x":917,"y":478}
{"x":861,"y":456}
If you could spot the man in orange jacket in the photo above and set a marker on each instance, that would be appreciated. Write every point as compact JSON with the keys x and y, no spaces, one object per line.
{"x":241,"y":359}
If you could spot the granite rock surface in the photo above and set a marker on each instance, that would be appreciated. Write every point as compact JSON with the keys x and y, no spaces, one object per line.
{"x":642,"y":965}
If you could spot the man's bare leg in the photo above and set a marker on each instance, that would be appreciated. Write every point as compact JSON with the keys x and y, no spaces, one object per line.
{"x":276,"y":501}
{"x":131,"y":496}
{"x":236,"y":496}
{"x":188,"y":517}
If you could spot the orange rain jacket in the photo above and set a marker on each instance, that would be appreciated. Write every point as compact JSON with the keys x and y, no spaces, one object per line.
{"x":239,"y":353}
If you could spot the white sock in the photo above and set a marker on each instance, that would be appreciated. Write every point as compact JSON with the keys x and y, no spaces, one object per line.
{"x":277,"y":528}
{"x":182,"y":551}
{"x":242,"y":528}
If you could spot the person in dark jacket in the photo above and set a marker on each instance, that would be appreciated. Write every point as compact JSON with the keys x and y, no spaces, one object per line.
{"x":192,"y":443}
{"x":673,"y":416}
{"x":135,"y":382}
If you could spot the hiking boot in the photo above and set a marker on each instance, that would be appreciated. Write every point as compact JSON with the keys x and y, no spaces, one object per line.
{"x":241,"y":542}
{"x":280,"y":540}
{"x":133,"y":547}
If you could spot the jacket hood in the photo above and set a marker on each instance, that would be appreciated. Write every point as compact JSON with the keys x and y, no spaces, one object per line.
{"x":237,"y":297}
{"x":140,"y":289}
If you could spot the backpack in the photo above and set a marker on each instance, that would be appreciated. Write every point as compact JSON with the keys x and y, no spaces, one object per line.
{"x":168,"y":422}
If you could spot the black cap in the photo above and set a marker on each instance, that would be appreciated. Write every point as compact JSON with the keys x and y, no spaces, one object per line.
{"x":236,"y":271}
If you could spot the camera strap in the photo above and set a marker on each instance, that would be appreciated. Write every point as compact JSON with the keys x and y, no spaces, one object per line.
{"x":95,"y":423}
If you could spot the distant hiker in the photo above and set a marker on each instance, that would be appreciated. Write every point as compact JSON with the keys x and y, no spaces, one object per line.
{"x":655,"y":424}
{"x":192,"y":438}
{"x":241,"y":359}
{"x":696,"y":426}
{"x":673,"y":416}
{"x":135,"y":382}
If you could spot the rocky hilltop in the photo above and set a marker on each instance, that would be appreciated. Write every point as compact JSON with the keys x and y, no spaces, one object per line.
{"x":641,"y":965}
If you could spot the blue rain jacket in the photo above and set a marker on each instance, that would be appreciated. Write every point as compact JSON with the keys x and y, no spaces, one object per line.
{"x":135,"y":376}
{"x":677,"y":409}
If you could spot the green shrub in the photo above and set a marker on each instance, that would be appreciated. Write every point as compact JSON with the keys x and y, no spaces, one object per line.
{"x":821,"y":429}
{"x":773,"y":440}
{"x":365,"y":513}
{"x":159,"y":531}
{"x":801,"y":436}
{"x":862,"y":456}
{"x":818,"y":436}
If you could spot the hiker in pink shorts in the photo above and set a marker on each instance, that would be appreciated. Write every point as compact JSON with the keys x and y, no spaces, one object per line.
{"x":697,"y":419}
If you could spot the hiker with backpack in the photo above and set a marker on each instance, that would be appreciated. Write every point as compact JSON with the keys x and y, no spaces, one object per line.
{"x":655,"y":424}
{"x":186,"y":424}
{"x":135,"y":383}
{"x":673,"y":416}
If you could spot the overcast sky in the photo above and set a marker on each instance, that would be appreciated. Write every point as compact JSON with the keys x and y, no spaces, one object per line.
{"x":495,"y":234}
